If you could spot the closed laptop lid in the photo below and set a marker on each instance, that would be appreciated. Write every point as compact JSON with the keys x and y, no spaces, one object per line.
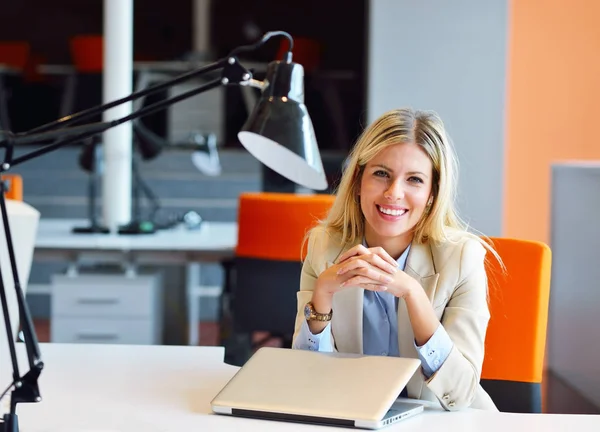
{"x":309,"y":383}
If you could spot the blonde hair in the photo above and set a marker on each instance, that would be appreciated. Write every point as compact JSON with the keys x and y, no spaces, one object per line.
{"x":441,"y":222}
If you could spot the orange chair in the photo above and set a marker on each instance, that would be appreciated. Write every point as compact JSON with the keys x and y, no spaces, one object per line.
{"x":516,"y":336}
{"x":14,"y":184}
{"x":265,"y":273}
{"x":14,"y":53}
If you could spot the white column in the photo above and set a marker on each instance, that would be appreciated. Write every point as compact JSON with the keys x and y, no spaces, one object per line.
{"x":118,"y":78}
{"x":201,"y":25}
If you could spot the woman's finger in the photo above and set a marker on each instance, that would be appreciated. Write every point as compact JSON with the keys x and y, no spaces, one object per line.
{"x":364,"y":261}
{"x":353,"y":251}
{"x":352,"y":264}
{"x":382,"y":264}
{"x":372,"y":273}
{"x":360,"y":250}
{"x":363,"y":282}
{"x":379,"y":251}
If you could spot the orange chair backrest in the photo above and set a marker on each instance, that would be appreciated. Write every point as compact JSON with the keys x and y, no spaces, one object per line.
{"x":273,"y":225}
{"x":14,"y":53}
{"x":87,"y":52}
{"x":516,"y":336}
{"x":15,"y":186}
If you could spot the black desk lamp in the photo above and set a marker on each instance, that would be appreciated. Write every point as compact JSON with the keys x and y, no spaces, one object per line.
{"x":90,"y":160}
{"x":279,"y":133}
{"x":148,"y":148}
{"x":205,"y":158}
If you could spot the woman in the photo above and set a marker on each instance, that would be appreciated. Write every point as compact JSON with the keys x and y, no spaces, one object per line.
{"x":393,"y":271}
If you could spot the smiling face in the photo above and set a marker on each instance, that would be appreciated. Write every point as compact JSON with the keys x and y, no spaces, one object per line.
{"x":395,"y":188}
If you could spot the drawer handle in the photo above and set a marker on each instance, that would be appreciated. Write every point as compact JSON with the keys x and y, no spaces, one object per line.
{"x":96,"y":336}
{"x":97,"y":301}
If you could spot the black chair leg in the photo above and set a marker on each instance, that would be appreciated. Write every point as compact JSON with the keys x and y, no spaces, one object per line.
{"x":238,"y":349}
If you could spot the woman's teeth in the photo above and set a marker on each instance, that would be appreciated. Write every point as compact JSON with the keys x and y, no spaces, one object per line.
{"x":391,"y":212}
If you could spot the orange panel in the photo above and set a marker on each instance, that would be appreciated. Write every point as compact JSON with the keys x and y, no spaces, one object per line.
{"x":516,"y":336}
{"x":273,"y":225}
{"x":15,"y":186}
{"x":552,"y":104}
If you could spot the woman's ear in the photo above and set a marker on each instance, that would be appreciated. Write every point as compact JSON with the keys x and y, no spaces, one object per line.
{"x":430,"y":201}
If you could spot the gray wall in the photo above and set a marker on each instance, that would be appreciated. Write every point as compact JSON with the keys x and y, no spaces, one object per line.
{"x":449,"y":57}
{"x":573,"y":338}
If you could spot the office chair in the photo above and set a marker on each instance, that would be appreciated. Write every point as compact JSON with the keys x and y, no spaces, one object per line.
{"x":263,"y":278}
{"x":516,"y":336}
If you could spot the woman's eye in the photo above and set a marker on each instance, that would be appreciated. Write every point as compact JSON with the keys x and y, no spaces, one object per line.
{"x":381,"y":173}
{"x":415,"y":179}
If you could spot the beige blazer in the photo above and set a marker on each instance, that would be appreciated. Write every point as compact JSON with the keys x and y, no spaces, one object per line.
{"x":454,"y":278}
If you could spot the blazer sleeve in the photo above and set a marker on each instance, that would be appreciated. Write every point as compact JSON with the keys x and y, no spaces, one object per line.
{"x":465,"y":319}
{"x":308,"y":279}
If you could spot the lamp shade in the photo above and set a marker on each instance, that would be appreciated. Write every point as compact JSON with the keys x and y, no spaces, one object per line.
{"x":206,"y":157}
{"x":279,"y":132}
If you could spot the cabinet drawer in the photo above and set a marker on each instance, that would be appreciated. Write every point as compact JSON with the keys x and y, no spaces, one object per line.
{"x":103,"y":331}
{"x":104,"y":296}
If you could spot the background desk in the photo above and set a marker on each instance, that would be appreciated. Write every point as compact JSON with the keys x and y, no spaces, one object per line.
{"x":166,"y":388}
{"x":213,"y":242}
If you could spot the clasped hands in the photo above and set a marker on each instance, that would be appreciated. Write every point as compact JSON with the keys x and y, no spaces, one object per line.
{"x":368,"y":268}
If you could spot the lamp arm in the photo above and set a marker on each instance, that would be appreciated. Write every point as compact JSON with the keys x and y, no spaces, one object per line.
{"x":93,"y":111}
{"x":80,"y":133}
{"x":90,"y":112}
{"x":26,"y":387}
{"x":233,"y":73}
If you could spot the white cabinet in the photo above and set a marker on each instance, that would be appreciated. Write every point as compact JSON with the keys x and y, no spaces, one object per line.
{"x":98,"y":308}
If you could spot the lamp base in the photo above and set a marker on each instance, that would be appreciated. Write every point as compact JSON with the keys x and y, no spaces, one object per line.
{"x":93,"y":229}
{"x":10,"y":423}
{"x":141,"y":227}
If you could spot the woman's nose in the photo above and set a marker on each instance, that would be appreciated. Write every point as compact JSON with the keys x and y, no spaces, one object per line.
{"x":395,"y":191}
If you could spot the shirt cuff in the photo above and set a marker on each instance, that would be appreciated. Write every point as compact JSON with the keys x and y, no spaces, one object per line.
{"x":435,"y":351}
{"x":308,"y":341}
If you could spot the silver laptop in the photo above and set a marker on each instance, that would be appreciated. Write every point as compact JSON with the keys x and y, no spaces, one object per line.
{"x":320,"y":388}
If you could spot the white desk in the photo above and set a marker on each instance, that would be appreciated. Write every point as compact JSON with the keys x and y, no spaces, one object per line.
{"x":213,"y":242}
{"x":169,"y":388}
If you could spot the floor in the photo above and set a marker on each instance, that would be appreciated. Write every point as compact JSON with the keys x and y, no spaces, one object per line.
{"x":558,"y":397}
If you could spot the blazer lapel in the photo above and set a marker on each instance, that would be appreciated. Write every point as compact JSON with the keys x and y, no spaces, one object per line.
{"x":419,"y":266}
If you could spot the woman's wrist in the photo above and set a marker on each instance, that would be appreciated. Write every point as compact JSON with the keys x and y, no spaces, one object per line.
{"x":322,"y":300}
{"x":413,"y":291}
{"x":422,"y":317}
{"x":322,"y":303}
